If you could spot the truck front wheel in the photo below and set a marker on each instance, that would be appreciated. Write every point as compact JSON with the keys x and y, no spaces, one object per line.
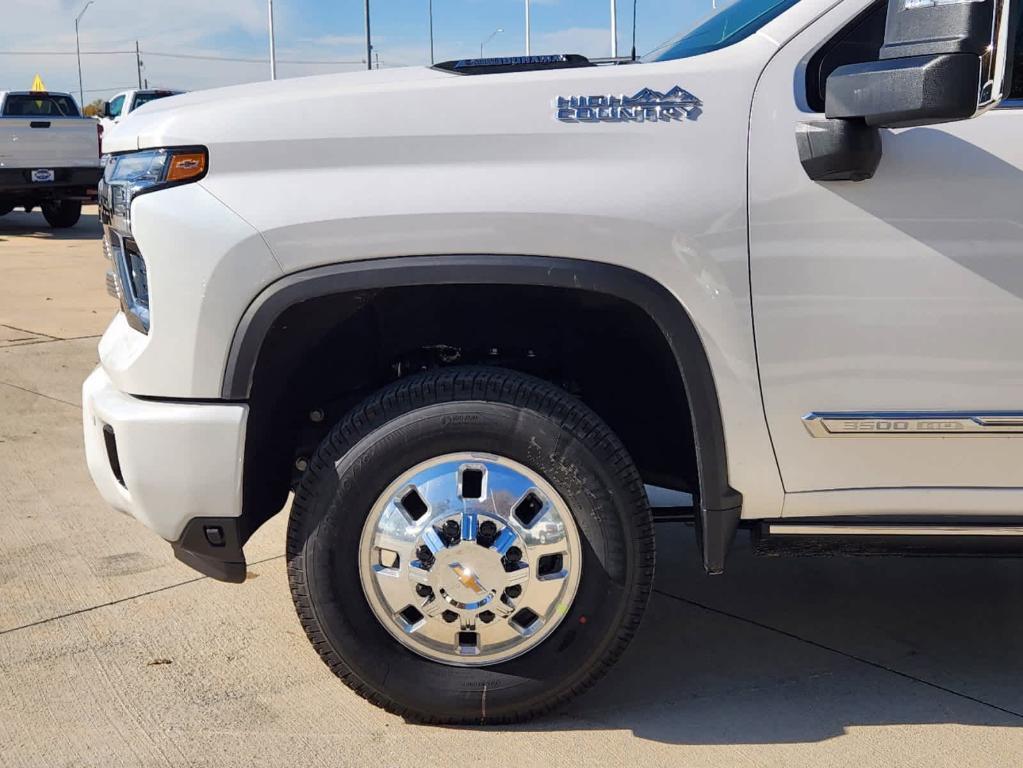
{"x":415,"y":559}
{"x":61,"y":214}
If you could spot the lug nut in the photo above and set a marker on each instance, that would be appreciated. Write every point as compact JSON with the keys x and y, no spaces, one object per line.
{"x":486,"y":533}
{"x":452,"y":531}
{"x":316,"y":416}
{"x":486,"y":617}
{"x":449,"y":616}
{"x":513,"y":555}
{"x":513,"y":591}
{"x":301,"y":464}
{"x":425,"y":556}
{"x":423,"y":590}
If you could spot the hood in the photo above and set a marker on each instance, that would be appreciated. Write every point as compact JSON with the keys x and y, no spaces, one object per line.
{"x":182,"y":119}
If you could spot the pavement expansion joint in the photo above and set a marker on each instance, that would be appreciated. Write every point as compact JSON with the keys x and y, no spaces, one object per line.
{"x":40,"y":394}
{"x":118,"y":601}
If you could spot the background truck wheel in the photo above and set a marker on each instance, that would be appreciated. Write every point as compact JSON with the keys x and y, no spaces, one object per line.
{"x":62,"y":213}
{"x":412,"y":563}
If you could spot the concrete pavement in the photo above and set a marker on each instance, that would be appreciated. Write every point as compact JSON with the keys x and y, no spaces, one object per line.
{"x":112,"y":653}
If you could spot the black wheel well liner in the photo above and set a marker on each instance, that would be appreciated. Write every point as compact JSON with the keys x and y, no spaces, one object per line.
{"x":650,"y":296}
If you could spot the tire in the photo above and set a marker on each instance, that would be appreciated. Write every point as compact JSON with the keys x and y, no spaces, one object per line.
{"x":62,"y":214}
{"x":492,"y":413}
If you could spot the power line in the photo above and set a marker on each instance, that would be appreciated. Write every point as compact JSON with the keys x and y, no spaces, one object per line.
{"x":98,"y":90}
{"x":117,"y":88}
{"x":251,"y":61}
{"x":62,"y":53}
{"x":193,"y":56}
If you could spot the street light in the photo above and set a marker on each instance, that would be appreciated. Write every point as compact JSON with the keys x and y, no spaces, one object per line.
{"x":369,"y":41}
{"x":527,"y":27}
{"x":431,"y":32}
{"x":492,"y":35}
{"x":273,"y":50}
{"x":78,"y":53}
{"x":614,"y":29}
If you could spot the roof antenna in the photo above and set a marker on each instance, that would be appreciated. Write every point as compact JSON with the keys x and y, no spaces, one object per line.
{"x":634,"y":4}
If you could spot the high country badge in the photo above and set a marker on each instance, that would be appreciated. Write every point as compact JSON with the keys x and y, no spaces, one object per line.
{"x":646,"y":106}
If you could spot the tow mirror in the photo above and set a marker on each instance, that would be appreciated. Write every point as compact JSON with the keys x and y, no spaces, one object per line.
{"x":942,"y":60}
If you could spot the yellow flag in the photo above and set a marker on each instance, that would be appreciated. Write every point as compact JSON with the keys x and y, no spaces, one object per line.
{"x":38,"y":84}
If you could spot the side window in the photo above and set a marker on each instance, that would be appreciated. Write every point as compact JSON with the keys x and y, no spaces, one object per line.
{"x":116,"y":105}
{"x":858,"y":42}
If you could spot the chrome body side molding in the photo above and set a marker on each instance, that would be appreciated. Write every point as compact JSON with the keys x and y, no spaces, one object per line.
{"x":913,"y":424}
{"x":888,"y":529}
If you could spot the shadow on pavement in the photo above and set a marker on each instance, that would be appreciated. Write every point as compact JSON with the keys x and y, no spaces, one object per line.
{"x":792,"y":650}
{"x":21,"y":224}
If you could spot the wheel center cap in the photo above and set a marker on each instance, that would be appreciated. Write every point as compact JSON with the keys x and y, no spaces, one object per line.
{"x":468,"y":576}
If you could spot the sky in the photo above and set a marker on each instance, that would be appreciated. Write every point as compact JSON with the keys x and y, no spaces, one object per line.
{"x":313,"y":36}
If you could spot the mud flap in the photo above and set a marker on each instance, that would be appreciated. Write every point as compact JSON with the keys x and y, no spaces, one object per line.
{"x":715,"y":532}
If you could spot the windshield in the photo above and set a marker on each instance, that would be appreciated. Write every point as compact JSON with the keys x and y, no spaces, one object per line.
{"x":730,"y":22}
{"x":39,"y":105}
{"x":145,"y":98}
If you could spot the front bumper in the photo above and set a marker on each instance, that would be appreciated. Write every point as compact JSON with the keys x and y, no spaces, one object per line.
{"x":174,"y":466}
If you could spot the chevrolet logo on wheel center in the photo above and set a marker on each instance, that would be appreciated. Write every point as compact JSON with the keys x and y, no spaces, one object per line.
{"x":467,"y":578}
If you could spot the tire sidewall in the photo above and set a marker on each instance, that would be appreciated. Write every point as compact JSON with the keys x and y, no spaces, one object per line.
{"x":347,"y":480}
{"x":61,"y":214}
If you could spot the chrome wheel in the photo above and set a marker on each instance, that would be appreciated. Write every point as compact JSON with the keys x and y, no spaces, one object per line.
{"x":470,"y":559}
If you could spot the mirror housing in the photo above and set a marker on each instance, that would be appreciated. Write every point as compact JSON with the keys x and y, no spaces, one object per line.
{"x":838,"y":150}
{"x":942,"y":60}
{"x":898,"y":93}
{"x":106,"y":109}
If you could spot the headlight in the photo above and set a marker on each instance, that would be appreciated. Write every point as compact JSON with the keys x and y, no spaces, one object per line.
{"x":125,"y":177}
{"x":134,"y":173}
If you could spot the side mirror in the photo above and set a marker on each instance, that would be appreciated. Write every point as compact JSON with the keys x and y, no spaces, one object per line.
{"x":942,"y":60}
{"x":106,"y":109}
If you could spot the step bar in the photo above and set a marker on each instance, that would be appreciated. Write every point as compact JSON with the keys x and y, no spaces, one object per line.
{"x":890,"y":529}
{"x":873,"y":537}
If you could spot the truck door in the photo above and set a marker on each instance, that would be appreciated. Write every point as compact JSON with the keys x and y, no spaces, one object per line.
{"x":888,"y":312}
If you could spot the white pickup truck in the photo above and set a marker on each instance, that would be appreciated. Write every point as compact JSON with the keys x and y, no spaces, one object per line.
{"x":49,"y":155}
{"x":467,"y":313}
{"x":126,"y":102}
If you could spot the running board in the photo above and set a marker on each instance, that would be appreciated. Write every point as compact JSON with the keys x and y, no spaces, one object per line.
{"x":880,"y":538}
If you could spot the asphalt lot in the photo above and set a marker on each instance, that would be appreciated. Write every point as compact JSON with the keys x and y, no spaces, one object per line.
{"x":114,"y":654}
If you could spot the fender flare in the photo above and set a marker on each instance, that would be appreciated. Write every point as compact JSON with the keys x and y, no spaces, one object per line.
{"x":719,"y":502}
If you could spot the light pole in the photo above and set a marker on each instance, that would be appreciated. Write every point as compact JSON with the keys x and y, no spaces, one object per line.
{"x":78,"y":53}
{"x":527,"y":28}
{"x":138,"y":62}
{"x":614,"y":29}
{"x":431,"y":32}
{"x":492,"y":35}
{"x":273,"y":50}
{"x":369,"y":41}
